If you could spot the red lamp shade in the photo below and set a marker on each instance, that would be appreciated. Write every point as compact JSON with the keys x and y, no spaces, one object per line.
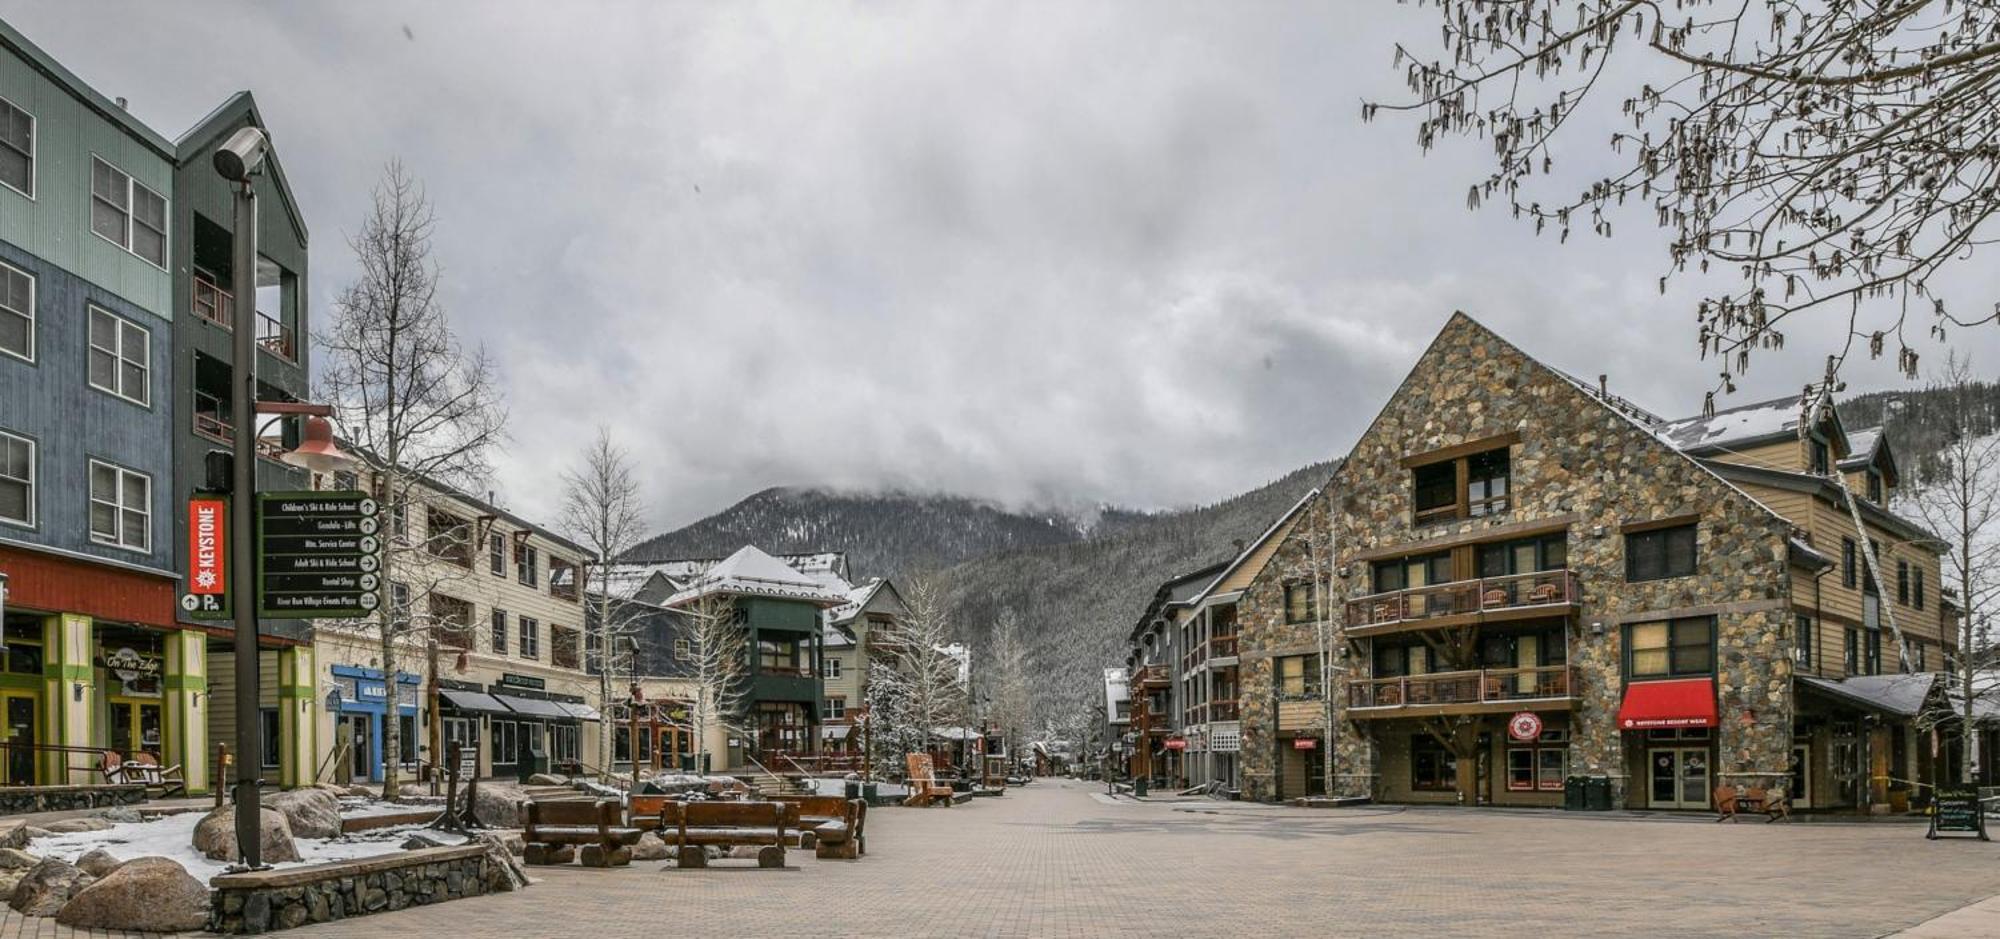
{"x":318,"y":452}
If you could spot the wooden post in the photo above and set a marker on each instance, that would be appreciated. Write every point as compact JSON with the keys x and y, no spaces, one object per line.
{"x":221,"y":769}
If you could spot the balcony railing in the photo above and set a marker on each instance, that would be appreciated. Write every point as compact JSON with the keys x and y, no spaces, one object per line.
{"x":1497,"y":686}
{"x":210,"y":423}
{"x":1152,"y":675}
{"x":276,"y":338}
{"x":213,"y":303}
{"x":1221,"y":709}
{"x":1217,"y":647}
{"x":218,"y":306}
{"x":1481,"y":596}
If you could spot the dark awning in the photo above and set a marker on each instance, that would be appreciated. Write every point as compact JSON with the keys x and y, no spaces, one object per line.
{"x":1680,"y":702}
{"x":476,"y":701}
{"x":535,"y":707}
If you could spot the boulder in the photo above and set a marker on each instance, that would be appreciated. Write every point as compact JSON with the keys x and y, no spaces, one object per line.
{"x":649,"y":848}
{"x":546,"y":779}
{"x":419,"y":840}
{"x":17,"y":859}
{"x":500,"y":805}
{"x":121,"y":814}
{"x":148,"y":894}
{"x":97,"y":863}
{"x":70,"y":826}
{"x":215,"y":836}
{"x":47,"y":886}
{"x":311,"y":813}
{"x":504,"y":872}
{"x":21,"y":835}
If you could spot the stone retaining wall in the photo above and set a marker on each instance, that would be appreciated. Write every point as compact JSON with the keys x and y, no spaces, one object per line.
{"x":20,"y":800}
{"x":258,"y":902}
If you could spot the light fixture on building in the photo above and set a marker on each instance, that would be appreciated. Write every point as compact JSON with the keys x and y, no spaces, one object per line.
{"x":317,"y":451}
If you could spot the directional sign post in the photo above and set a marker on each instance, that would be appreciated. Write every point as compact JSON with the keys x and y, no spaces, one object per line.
{"x":319,"y":555}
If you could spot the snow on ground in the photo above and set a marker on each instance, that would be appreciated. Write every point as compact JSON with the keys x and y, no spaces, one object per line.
{"x":837,"y":786}
{"x":173,"y":837}
{"x":364,"y":808}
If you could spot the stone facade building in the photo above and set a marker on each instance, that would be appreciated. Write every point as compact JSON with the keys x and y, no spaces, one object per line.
{"x":1514,"y":578}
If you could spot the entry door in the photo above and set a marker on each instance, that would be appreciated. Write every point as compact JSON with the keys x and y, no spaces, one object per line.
{"x":19,"y":712}
{"x":135,"y":727}
{"x":359,"y":731}
{"x":1679,"y":778}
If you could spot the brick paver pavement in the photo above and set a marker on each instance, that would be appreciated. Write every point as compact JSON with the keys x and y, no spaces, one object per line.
{"x":1057,"y":859}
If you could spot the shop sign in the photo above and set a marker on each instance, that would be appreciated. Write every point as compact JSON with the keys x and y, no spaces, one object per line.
{"x":372,"y":691}
{"x":139,"y":672}
{"x":207,"y":595}
{"x":1525,"y":726}
{"x":1176,"y":743}
{"x":512,"y":680}
{"x":1957,"y":809}
{"x":1305,"y":743}
{"x":318,"y":555}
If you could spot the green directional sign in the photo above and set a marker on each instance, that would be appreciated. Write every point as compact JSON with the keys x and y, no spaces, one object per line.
{"x":319,"y":555}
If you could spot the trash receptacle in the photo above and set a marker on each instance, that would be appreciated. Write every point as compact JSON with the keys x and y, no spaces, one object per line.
{"x":852,"y":789}
{"x":1139,"y":786}
{"x":1573,"y":793}
{"x":1597,"y":794}
{"x":534,"y":761}
{"x":872,"y":793}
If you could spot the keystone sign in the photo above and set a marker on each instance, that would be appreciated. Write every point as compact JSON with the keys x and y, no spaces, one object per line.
{"x":319,"y":555}
{"x":207,"y":595}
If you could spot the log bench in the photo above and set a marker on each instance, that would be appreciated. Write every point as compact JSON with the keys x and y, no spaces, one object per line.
{"x":556,"y":829}
{"x":643,"y":812}
{"x":830,"y":825}
{"x":688,"y":827}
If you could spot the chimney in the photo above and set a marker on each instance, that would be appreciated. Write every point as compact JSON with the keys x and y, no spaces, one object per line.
{"x":1603,"y":385}
{"x":120,"y":102}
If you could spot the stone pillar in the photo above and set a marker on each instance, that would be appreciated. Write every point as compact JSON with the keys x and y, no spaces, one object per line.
{"x":1596,"y":744}
{"x":185,"y":686}
{"x":1350,"y":749}
{"x":1754,"y":702}
{"x":298,"y":716}
{"x":69,"y":696}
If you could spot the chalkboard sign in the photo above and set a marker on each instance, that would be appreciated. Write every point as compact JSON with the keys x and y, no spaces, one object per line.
{"x":1957,"y":809}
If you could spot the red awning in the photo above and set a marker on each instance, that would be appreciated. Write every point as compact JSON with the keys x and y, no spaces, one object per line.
{"x":1682,"y":702}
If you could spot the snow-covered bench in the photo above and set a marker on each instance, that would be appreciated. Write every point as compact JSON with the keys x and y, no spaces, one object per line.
{"x":830,"y":825}
{"x":688,"y":827}
{"x":556,"y":828}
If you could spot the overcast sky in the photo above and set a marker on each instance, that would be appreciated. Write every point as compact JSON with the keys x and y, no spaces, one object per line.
{"x":1039,"y":253}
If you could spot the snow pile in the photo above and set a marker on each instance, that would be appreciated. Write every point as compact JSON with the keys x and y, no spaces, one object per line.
{"x":173,"y":837}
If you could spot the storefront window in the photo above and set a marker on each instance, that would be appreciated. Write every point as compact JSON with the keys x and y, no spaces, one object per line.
{"x":505,"y":736}
{"x":272,"y":746}
{"x":1432,"y":767}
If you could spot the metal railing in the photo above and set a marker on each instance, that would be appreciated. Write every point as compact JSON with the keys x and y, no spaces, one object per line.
{"x":218,"y":306}
{"x":1482,"y":595}
{"x":1485,"y":686}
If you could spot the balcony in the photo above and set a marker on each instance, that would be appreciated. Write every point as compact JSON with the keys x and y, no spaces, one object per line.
{"x":210,"y":421}
{"x":1217,"y":652}
{"x":1469,"y":692}
{"x":1463,"y":602}
{"x":1152,"y":675}
{"x":1221,"y":709}
{"x":218,"y":306}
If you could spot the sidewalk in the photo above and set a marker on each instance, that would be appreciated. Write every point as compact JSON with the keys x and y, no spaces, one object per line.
{"x":1976,"y":921}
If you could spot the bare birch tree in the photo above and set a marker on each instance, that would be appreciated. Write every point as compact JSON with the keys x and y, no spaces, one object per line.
{"x":603,"y":511}
{"x":1008,"y":680}
{"x":421,"y":412}
{"x":1831,"y":155}
{"x":718,"y":666}
{"x":920,"y":674}
{"x":1962,"y":505}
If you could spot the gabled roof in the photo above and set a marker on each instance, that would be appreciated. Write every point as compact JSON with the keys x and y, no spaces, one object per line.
{"x":751,"y":572}
{"x":1825,"y":488}
{"x":1178,"y":591}
{"x":1870,"y":447}
{"x":200,"y":140}
{"x":1249,"y":550}
{"x":89,"y":97}
{"x":1746,"y":425}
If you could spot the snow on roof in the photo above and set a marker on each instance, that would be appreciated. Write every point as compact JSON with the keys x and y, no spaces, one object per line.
{"x":857,"y":597}
{"x":619,"y":581}
{"x":1742,"y":424}
{"x":751,"y":572}
{"x":1861,"y":445}
{"x":1901,"y":694}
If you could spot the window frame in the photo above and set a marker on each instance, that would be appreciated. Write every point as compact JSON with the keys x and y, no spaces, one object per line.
{"x":1802,"y":640}
{"x":1463,"y":505}
{"x":130,"y":212}
{"x":34,"y":147}
{"x":527,"y":565}
{"x":683,"y":649}
{"x":1311,"y":612}
{"x":530,"y":646}
{"x":122,"y":328}
{"x":496,"y":554}
{"x":1850,"y":562}
{"x":34,"y":321}
{"x":832,"y":668}
{"x":271,"y":746}
{"x":1446,"y":764}
{"x":118,"y":505}
{"x":836,"y":707}
{"x":1903,"y":581}
{"x":1665,"y":534}
{"x":1916,"y":586}
{"x":7,"y":438}
{"x":496,"y":620}
{"x":1673,"y":649}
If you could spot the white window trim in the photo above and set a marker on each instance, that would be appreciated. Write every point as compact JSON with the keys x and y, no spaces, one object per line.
{"x":147,"y":509}
{"x":34,"y":321}
{"x":145,"y":360}
{"x":34,"y":489}
{"x":132,"y":213}
{"x":530,"y":629}
{"x":34,"y":148}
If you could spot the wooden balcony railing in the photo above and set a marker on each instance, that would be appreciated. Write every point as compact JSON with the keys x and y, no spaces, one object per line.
{"x":1217,"y":647}
{"x":1152,"y":675}
{"x":218,"y":306}
{"x":1221,"y":709}
{"x":1485,"y":686}
{"x":1484,"y":595}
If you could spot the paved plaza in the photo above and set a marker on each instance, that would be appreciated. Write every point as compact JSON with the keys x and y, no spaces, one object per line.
{"x":1058,"y":859}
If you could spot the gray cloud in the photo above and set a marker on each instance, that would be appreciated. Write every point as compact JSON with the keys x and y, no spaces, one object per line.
{"x":1068,"y":253}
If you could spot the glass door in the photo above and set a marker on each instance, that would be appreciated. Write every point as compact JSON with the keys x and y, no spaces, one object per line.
{"x":1679,"y":778}
{"x":19,"y":767}
{"x":135,"y":727}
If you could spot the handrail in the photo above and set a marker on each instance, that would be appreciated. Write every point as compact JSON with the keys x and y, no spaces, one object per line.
{"x":1481,"y":686}
{"x":1477,"y":595}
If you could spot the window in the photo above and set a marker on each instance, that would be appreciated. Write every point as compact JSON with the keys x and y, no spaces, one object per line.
{"x":1849,"y":575}
{"x":126,"y":213}
{"x":531,"y":638}
{"x":683,"y":649}
{"x":499,"y":619}
{"x":1671,"y":648}
{"x":563,"y":743}
{"x":453,"y":621}
{"x":836,"y":708}
{"x":1917,"y":588}
{"x":1531,"y":768}
{"x":1524,"y":556}
{"x":121,"y":507}
{"x":1297,"y":676}
{"x":565,"y":579}
{"x":270,"y":738}
{"x":1394,"y":661}
{"x":1432,"y":767}
{"x":1851,"y":653}
{"x":564,"y":649}
{"x":496,"y":554}
{"x":119,"y":360}
{"x":17,"y":480}
{"x":1875,"y":487}
{"x":833,"y":668}
{"x":17,"y":149}
{"x":774,"y":655}
{"x":1802,"y":641}
{"x":1903,"y":582}
{"x":1874,"y":648}
{"x":1919,"y":657}
{"x":506,"y":738}
{"x":1822,"y":462}
{"x":526,"y":565}
{"x":399,"y":599}
{"x":1660,"y":553}
{"x":448,"y":537}
{"x":1410,"y":573}
{"x":17,"y":312}
{"x":1467,"y":487}
{"x":1299,"y":603}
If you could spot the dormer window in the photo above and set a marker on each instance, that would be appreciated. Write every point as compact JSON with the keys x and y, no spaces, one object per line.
{"x":1822,"y":457}
{"x":1875,"y":486}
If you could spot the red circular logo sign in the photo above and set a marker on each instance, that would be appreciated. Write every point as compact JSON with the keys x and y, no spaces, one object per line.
{"x":1524,"y":726}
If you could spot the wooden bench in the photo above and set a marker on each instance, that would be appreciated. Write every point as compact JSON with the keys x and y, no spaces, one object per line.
{"x":555,"y":829}
{"x":925,"y":790}
{"x":1772,"y":804}
{"x":687,"y":827}
{"x":643,"y":812}
{"x":830,"y":825}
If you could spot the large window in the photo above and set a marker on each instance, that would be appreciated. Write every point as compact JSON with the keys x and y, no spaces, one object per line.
{"x":17,"y":312}
{"x":1433,"y":768}
{"x":499,"y":618}
{"x":17,"y":149}
{"x":1407,"y":573}
{"x":448,"y":537}
{"x":1671,"y":648}
{"x":126,"y":213}
{"x":564,"y":648}
{"x":1802,"y":641}
{"x":1660,"y":553}
{"x":1539,"y":766}
{"x":1297,"y":676}
{"x":119,"y":357}
{"x":453,"y":621}
{"x":1470,"y":486}
{"x":1524,"y":556}
{"x":17,"y":479}
{"x":121,"y":507}
{"x":779,"y":655}
{"x":531,"y":638}
{"x":527,"y":565}
{"x":506,"y":742}
{"x":1299,"y":603}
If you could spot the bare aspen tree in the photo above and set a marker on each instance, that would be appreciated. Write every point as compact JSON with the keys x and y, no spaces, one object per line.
{"x":1834,"y":156}
{"x":602,"y":510}
{"x":1008,"y":679}
{"x":420,"y":411}
{"x":921,"y":675}
{"x":718,"y":666}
